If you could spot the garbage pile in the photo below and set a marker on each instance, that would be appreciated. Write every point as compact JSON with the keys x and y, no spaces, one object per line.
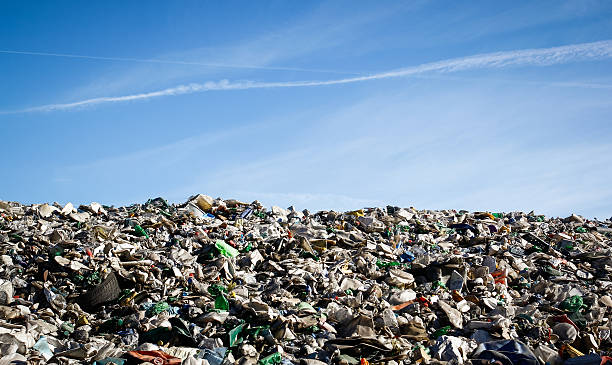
{"x":215,"y":281}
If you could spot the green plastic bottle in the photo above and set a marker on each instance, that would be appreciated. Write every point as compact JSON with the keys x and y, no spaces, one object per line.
{"x":141,"y":232}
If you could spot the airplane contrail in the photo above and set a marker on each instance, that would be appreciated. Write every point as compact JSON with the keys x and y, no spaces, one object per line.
{"x":176,"y":62}
{"x":526,"y":57}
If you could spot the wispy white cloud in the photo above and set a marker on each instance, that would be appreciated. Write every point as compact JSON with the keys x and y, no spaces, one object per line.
{"x":544,"y":183}
{"x":527,"y":57}
{"x":519,"y":81}
{"x":326,"y":27}
{"x":164,"y":155}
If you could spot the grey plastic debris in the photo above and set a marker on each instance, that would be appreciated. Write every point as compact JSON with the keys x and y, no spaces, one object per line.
{"x":453,"y":349}
{"x":454,"y":316}
{"x":6,"y":292}
{"x":566,"y":332}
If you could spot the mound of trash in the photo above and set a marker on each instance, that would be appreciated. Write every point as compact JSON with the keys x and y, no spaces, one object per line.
{"x":214,"y":281}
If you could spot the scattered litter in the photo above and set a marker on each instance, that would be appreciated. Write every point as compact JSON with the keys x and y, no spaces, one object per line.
{"x":215,"y":282}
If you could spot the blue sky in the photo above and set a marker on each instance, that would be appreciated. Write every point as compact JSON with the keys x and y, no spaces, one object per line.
{"x":338,"y":105}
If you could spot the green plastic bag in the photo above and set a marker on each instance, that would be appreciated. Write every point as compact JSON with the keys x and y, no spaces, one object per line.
{"x":578,"y":319}
{"x":225,"y":249}
{"x":254,"y":331}
{"x":275,"y":358}
{"x":221,"y":303}
{"x":382,"y":264}
{"x":441,"y":331}
{"x":439,"y":284}
{"x":158,"y":308}
{"x":572,"y":304}
{"x":216,"y":290}
{"x":304,"y":306}
{"x":233,"y":335}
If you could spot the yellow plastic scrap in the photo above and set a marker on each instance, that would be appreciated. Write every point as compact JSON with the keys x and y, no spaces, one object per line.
{"x":345,"y":269}
{"x":572,"y":352}
{"x":82,"y":320}
{"x":357,"y":213}
{"x":129,"y":299}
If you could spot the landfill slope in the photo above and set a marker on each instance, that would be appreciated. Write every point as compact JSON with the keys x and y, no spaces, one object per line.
{"x":214,"y":281}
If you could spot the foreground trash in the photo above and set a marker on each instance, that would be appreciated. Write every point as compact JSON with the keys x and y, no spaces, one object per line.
{"x":216,"y":281}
